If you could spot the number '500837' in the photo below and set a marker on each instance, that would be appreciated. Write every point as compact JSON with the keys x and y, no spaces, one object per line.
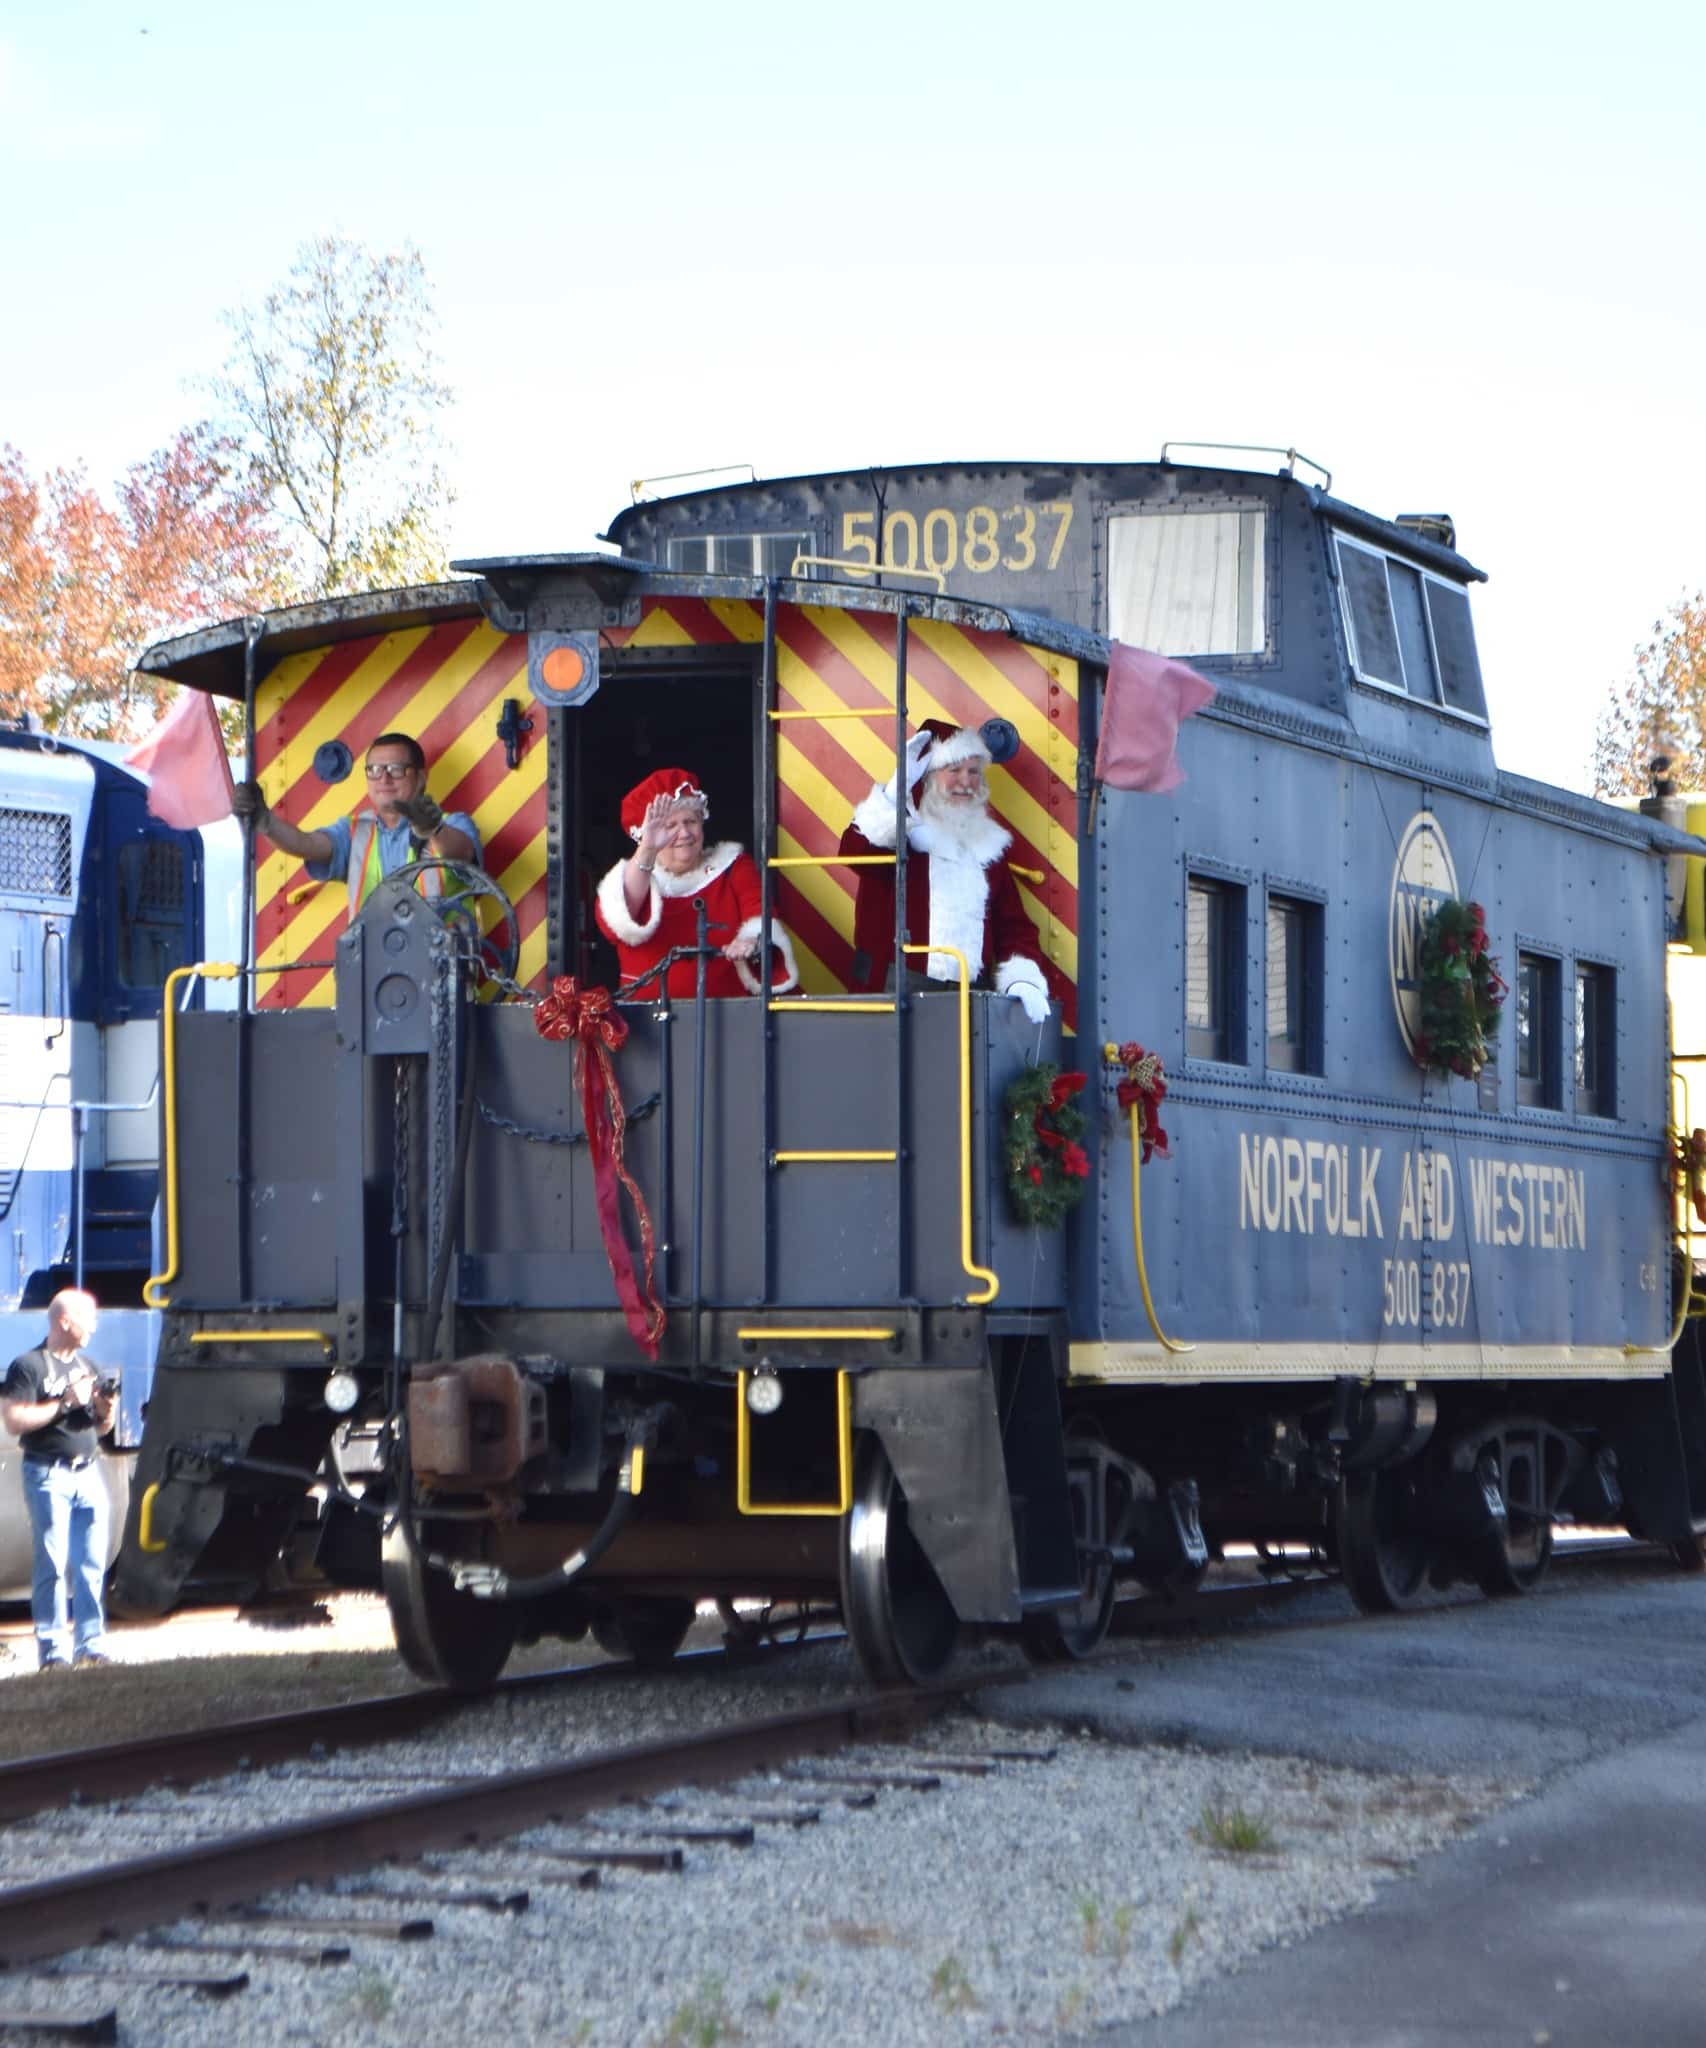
{"x":941,"y":540}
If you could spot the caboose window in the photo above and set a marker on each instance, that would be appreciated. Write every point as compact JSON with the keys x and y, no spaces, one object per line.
{"x":1596,"y":1040}
{"x":1189,"y":582}
{"x":1293,"y":982}
{"x":1214,"y":954}
{"x":1537,"y":1024}
{"x":738,"y":554}
{"x":1407,"y":630}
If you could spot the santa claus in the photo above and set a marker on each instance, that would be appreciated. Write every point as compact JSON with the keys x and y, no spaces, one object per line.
{"x":648,"y":904}
{"x":958,"y":890}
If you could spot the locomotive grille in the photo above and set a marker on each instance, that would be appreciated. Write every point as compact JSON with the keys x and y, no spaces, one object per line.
{"x":35,"y":852}
{"x":157,"y":877}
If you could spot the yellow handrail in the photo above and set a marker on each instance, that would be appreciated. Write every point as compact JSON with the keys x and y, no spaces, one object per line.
{"x":1167,"y":1343}
{"x":803,"y":1331}
{"x":992,"y":1282}
{"x":843,"y":1455}
{"x":823,"y":717}
{"x":213,"y":970}
{"x":831,"y":1158}
{"x":145,"y":1521}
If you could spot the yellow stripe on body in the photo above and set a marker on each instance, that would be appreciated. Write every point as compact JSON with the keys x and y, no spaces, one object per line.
{"x":956,"y":649}
{"x":815,"y":977}
{"x":660,"y":628}
{"x":1059,"y":944}
{"x":1015,"y":804}
{"x":827,"y":897}
{"x":745,"y":621}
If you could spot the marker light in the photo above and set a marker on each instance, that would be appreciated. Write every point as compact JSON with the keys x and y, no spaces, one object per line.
{"x":343,"y":1391}
{"x":764,"y":1391}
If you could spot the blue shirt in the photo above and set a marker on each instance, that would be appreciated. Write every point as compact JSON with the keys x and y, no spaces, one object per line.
{"x":393,"y":846}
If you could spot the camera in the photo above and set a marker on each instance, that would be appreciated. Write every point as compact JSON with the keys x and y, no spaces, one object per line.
{"x":108,"y":1386}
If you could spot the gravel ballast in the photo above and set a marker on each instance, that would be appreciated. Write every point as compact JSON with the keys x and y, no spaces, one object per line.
{"x":1043,"y":1900}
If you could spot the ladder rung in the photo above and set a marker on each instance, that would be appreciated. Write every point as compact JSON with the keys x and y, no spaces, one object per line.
{"x":811,"y":1333}
{"x":823,"y":1006}
{"x":831,"y":860}
{"x":832,"y":1158}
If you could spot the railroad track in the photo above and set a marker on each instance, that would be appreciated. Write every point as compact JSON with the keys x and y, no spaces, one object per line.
{"x":388,"y":1868}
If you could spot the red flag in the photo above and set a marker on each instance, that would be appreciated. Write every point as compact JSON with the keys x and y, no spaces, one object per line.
{"x":185,"y":757}
{"x":1147,"y":697}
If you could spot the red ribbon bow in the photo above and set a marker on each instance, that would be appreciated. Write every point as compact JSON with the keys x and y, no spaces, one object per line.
{"x":1145,"y":1084}
{"x":587,"y":1017}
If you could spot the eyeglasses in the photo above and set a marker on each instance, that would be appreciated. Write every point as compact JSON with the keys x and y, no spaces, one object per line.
{"x":390,"y":771}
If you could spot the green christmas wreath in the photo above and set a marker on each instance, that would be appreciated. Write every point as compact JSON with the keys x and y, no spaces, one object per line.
{"x":1462,"y":992}
{"x":1047,"y":1168}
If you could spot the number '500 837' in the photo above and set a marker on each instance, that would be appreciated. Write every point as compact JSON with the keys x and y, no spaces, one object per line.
{"x":941,"y":540}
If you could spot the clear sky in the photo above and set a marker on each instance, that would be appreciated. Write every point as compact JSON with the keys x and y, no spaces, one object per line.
{"x":1452,"y":252}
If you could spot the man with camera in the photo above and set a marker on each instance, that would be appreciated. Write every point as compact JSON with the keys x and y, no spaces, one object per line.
{"x":56,"y":1403}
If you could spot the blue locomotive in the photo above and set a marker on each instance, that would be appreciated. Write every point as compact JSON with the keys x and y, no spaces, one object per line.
{"x":98,"y":902}
{"x":1410,"y":1287}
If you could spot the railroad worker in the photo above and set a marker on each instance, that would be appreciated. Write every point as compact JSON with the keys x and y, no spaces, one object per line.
{"x":958,"y":889}
{"x":399,"y":823}
{"x":647,"y":903}
{"x":54,"y":1402}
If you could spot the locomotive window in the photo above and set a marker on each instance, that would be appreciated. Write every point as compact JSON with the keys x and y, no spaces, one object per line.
{"x":1293,"y":977}
{"x":1596,"y":1040}
{"x":738,"y":554}
{"x":1184,"y":582}
{"x":1407,"y":630}
{"x":1537,"y":1024}
{"x":1214,"y":958}
{"x":152,"y":938}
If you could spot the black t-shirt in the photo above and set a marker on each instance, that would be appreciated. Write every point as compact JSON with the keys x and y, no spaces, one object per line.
{"x":39,"y":1376}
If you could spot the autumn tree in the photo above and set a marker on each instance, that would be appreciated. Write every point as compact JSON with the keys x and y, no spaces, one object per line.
{"x":87,"y":581}
{"x":1661,"y":709}
{"x":332,"y":386}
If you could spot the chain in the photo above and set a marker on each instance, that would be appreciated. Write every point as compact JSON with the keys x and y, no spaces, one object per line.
{"x":400,"y":1146}
{"x":535,"y":1136}
{"x":441,"y":1145}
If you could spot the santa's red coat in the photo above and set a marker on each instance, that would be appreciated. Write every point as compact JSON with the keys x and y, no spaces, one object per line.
{"x":727,"y":881}
{"x":1010,"y":950}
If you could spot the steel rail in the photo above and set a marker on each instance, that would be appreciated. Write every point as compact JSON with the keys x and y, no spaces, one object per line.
{"x":114,"y":1900}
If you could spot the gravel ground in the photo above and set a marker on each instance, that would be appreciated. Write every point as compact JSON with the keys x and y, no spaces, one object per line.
{"x":1043,"y":1900}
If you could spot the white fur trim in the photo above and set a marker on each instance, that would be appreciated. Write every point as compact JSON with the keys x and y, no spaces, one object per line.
{"x":718,"y":860}
{"x":617,"y":915}
{"x":1019,"y":973}
{"x":982,"y":840}
{"x":964,"y":745}
{"x":959,"y":897}
{"x":875,"y":817}
{"x":784,"y":945}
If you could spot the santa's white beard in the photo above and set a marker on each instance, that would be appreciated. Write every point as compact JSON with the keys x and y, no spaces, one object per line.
{"x":958,"y":822}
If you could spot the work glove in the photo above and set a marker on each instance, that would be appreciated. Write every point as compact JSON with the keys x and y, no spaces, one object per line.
{"x":249,"y":806}
{"x":423,"y":814}
{"x":1032,"y":1000}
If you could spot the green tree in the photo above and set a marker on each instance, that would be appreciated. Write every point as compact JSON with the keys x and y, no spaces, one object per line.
{"x":1660,"y":709}
{"x":332,"y":387}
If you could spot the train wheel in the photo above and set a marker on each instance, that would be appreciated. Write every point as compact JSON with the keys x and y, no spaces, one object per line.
{"x":901,"y":1621}
{"x":1519,"y":1550}
{"x":648,"y":1630}
{"x":1383,"y":1550}
{"x":447,"y":1637}
{"x":1102,"y":1496}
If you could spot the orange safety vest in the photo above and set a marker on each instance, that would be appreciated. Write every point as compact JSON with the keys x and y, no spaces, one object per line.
{"x":363,"y":876}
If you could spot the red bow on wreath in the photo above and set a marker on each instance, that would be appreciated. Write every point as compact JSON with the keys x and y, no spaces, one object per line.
{"x":1145,"y":1084}
{"x":586,"y":1017}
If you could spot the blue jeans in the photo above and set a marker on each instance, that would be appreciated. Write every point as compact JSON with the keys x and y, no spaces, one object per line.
{"x":68,"y":1518}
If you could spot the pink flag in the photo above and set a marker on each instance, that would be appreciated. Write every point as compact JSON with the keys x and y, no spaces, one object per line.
{"x":1146,"y":698}
{"x":185,"y":756}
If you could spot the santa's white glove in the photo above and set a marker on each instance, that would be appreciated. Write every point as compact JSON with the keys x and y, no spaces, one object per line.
{"x":1032,"y":1000}
{"x":916,"y":748}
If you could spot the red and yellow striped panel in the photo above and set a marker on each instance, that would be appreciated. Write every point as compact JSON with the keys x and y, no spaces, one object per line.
{"x":827,"y":660}
{"x":445,"y":684}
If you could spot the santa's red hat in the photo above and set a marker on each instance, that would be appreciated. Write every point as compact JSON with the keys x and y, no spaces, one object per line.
{"x":948,"y":746}
{"x":678,"y":784}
